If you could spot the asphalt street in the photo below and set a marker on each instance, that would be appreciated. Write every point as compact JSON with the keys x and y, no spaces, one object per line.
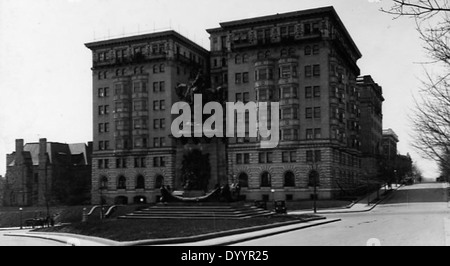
{"x":416,"y":215}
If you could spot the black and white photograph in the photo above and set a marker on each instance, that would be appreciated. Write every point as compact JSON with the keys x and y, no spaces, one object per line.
{"x":244,"y":125}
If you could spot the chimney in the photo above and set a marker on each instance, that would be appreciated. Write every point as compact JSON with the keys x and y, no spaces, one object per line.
{"x":19,"y":146}
{"x":42,"y":147}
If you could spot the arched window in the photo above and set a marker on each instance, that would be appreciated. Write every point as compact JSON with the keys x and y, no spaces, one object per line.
{"x":308,"y":50}
{"x":140,"y":182}
{"x":289,"y":179}
{"x":314,"y":179}
{"x":284,"y":53}
{"x":159,"y":182}
{"x":103,"y":183}
{"x":122,"y":183}
{"x":243,"y":180}
{"x":238,"y":59}
{"x":266,"y":180}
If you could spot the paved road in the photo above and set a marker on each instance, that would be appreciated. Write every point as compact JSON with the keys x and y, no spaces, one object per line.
{"x":22,"y":241}
{"x":417,"y":215}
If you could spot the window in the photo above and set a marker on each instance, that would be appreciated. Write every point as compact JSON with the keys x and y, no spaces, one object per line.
{"x":316,"y":49}
{"x":238,"y":78}
{"x":238,"y":59}
{"x":122,"y":183}
{"x":318,"y":156}
{"x":308,"y":71}
{"x":246,"y":97}
{"x":106,"y":145}
{"x":162,"y":86}
{"x":101,"y":110}
{"x":317,"y":112}
{"x":156,"y":142}
{"x":100,"y":164}
{"x":317,"y":133}
{"x":162,"y":105}
{"x":285,"y":72}
{"x":316,"y":70}
{"x":155,"y":69}
{"x":101,"y":128}
{"x":262,"y":158}
{"x":156,"y":124}
{"x":309,"y":134}
{"x":106,"y":92}
{"x":269,"y":157}
{"x":162,"y":68}
{"x":308,"y":50}
{"x":162,"y":142}
{"x":156,"y":162}
{"x":239,"y":97}
{"x":308,"y":92}
{"x":245,"y":77}
{"x":285,"y":157}
{"x":309,"y":156}
{"x":239,"y":158}
{"x":266,"y":180}
{"x":101,"y":93}
{"x":155,"y":86}
{"x":140,"y":182}
{"x":245,"y":58}
{"x":289,"y":179}
{"x":247,"y":158}
{"x":293,"y":157}
{"x":309,"y":113}
{"x":163,"y":123}
{"x":317,"y":91}
{"x":107,"y":127}
{"x":155,"y":105}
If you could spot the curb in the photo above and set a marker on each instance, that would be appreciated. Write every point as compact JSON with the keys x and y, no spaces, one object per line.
{"x":245,"y":239}
{"x":191,"y":239}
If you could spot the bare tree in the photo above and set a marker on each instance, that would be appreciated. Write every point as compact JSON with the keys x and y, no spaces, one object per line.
{"x":431,"y":116}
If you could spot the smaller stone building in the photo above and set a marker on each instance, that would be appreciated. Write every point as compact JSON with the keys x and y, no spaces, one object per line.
{"x":48,"y":172}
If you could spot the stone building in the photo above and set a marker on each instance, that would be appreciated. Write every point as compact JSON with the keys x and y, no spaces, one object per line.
{"x":134,"y":89}
{"x":48,"y":172}
{"x":371,"y":124}
{"x":307,"y":61}
{"x":390,"y":140}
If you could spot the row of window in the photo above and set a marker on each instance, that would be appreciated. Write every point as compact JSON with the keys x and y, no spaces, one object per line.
{"x":122,"y":182}
{"x":138,"y":143}
{"x":139,"y":162}
{"x":286,"y":72}
{"x":160,"y":68}
{"x":287,"y":157}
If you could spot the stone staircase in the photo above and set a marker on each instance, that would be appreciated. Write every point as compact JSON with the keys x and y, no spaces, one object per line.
{"x":198,"y":212}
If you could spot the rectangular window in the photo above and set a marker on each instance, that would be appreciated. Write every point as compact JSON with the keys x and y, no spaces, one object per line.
{"x":156,"y":162}
{"x":309,"y":134}
{"x":101,"y":110}
{"x":309,"y":156}
{"x":156,"y":142}
{"x":285,"y":72}
{"x":308,"y":92}
{"x":162,"y":105}
{"x":101,"y":128}
{"x":246,"y":97}
{"x":309,"y":113}
{"x":317,"y":112}
{"x":100,"y":164}
{"x":162,"y":86}
{"x":270,"y":157}
{"x":101,"y":93}
{"x":101,"y":145}
{"x":107,"y":127}
{"x":316,"y":49}
{"x":293,"y":157}
{"x":262,"y":158}
{"x":155,"y":105}
{"x":308,"y":71}
{"x":317,"y":91}
{"x":162,"y":142}
{"x":239,"y":97}
{"x":239,"y":158}
{"x":247,"y":158}
{"x":317,"y":133}
{"x":163,"y":123}
{"x":286,"y":157}
{"x":316,"y":70}
{"x":156,"y":124}
{"x":238,"y":78}
{"x":318,"y":156}
{"x":106,"y":92}
{"x":245,"y":77}
{"x":155,"y":87}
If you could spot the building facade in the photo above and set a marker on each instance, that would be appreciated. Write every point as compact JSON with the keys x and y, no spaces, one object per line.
{"x":48,"y":172}
{"x":306,"y":61}
{"x":390,"y":140}
{"x":371,"y":121}
{"x":134,"y":88}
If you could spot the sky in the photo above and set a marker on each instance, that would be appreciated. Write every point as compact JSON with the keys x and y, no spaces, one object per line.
{"x":46,"y":81}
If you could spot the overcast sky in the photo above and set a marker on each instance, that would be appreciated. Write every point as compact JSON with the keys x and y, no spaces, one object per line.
{"x":45,"y":76}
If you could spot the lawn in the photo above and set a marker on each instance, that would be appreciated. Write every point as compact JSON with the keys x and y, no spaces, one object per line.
{"x":132,"y":230}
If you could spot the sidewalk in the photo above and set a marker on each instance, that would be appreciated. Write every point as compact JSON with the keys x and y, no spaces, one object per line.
{"x":357,"y":207}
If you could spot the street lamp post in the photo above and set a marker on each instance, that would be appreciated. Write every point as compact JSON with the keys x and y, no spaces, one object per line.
{"x":20,"y":210}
